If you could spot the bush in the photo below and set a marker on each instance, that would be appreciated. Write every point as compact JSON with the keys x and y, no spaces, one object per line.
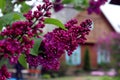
{"x":87,"y":66}
{"x":78,"y":71}
{"x":58,"y":73}
{"x":105,"y":66}
{"x":63,"y":69}
{"x":46,"y":76}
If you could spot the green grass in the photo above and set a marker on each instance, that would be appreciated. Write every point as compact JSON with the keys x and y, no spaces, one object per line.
{"x":61,"y":78}
{"x":85,"y":78}
{"x":65,"y":78}
{"x":96,"y":78}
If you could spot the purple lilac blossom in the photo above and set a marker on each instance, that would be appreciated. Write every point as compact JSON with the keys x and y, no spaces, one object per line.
{"x":55,"y":43}
{"x":10,"y":47}
{"x":18,"y":37}
{"x":94,"y":6}
{"x":4,"y":74}
{"x":57,"y":5}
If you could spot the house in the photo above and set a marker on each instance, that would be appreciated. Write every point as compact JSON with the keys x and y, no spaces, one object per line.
{"x":101,"y":28}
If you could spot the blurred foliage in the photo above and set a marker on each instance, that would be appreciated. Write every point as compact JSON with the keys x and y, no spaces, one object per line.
{"x":46,"y":76}
{"x":67,"y":1}
{"x":112,"y":44}
{"x":61,"y":72}
{"x":9,"y":18}
{"x":80,"y":4}
{"x":25,"y":8}
{"x":63,"y":69}
{"x":76,"y":4}
{"x":3,"y":4}
{"x":7,"y":6}
{"x":104,"y":66}
{"x":79,"y":71}
{"x":3,"y":61}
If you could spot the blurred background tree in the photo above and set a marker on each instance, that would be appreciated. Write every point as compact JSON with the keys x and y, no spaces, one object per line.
{"x":87,"y":65}
{"x":111,"y":43}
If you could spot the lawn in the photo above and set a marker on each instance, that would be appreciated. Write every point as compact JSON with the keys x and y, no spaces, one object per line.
{"x":79,"y":78}
{"x":85,"y":78}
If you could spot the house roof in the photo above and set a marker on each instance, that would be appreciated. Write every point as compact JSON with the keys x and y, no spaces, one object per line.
{"x":101,"y":26}
{"x":112,"y":14}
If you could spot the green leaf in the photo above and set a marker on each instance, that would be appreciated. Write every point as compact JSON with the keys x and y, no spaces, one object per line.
{"x":67,"y":1}
{"x":80,"y":4}
{"x":54,"y":22}
{"x":35,"y":49}
{"x":22,"y":61}
{"x":85,"y":2}
{"x":78,"y":8}
{"x":8,"y":7}
{"x":77,"y":2}
{"x":1,"y":37}
{"x":2,"y":4}
{"x":9,"y":18}
{"x":25,"y":8}
{"x":16,"y":17}
{"x":3,"y":61}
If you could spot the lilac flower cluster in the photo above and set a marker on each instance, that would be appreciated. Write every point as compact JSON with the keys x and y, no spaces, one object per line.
{"x":110,"y":43}
{"x":18,"y":39}
{"x":18,"y":36}
{"x":4,"y":74}
{"x":57,"y":5}
{"x":47,"y":63}
{"x":94,"y":6}
{"x":10,"y":47}
{"x":57,"y":42}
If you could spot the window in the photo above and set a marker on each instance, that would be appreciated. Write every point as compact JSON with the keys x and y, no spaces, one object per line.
{"x":75,"y":58}
{"x":103,"y":56}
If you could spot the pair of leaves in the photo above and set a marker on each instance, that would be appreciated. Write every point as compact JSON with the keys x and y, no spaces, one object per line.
{"x":34,"y":52}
